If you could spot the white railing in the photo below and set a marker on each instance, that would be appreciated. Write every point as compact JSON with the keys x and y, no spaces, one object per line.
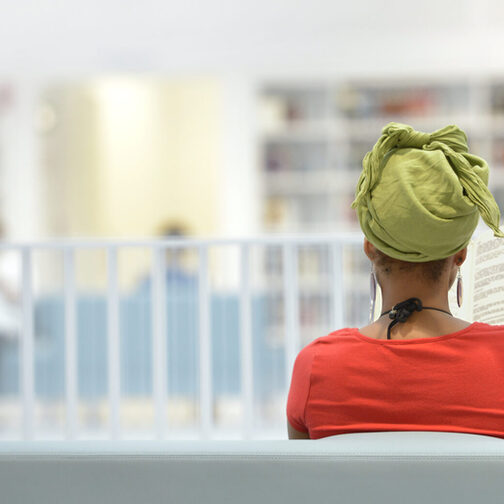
{"x":289,"y":245}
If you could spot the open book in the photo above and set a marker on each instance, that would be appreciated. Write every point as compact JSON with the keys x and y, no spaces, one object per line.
{"x":483,"y":282}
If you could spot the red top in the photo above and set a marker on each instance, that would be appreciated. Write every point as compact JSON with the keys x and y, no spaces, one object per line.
{"x":347,"y":382}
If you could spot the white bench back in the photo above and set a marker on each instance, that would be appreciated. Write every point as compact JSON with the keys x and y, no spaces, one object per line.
{"x":410,"y":467}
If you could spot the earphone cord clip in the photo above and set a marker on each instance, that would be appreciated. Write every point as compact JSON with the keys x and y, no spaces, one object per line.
{"x":401,"y":311}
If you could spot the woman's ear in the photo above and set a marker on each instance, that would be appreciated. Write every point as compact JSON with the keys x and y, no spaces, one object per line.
{"x":460,"y":257}
{"x":369,"y":249}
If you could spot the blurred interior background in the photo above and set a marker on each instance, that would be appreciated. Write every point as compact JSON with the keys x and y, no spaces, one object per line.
{"x":206,"y":119}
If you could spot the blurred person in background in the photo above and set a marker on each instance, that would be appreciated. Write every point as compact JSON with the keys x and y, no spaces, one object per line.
{"x":177,"y":271}
{"x":176,"y":257}
{"x":417,"y":367}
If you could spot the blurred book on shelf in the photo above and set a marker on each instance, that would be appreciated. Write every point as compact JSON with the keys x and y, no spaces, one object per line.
{"x":395,"y":100}
{"x":300,"y":156}
{"x":285,"y":107}
{"x":497,"y":98}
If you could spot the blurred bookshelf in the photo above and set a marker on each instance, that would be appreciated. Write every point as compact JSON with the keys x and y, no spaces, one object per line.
{"x":312,"y":138}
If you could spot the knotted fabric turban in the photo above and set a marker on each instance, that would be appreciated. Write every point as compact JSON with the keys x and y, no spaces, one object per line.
{"x":420,"y":195}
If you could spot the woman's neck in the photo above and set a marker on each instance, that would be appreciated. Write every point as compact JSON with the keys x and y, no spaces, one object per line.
{"x":395,"y":292}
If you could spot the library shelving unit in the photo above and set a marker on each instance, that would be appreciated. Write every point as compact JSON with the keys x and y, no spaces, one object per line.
{"x":313,"y":136}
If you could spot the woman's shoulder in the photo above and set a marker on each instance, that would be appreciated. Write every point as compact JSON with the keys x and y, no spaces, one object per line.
{"x":488,"y":328}
{"x":340,"y":334}
{"x":333,"y":336}
{"x":335,"y":340}
{"x":344,"y":331}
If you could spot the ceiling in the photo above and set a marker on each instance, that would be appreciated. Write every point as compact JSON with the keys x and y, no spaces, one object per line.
{"x":69,"y":37}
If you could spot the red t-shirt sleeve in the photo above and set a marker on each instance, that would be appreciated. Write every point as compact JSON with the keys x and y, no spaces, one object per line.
{"x":300,"y":388}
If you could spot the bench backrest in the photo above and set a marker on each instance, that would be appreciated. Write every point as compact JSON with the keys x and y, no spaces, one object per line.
{"x":373,"y":467}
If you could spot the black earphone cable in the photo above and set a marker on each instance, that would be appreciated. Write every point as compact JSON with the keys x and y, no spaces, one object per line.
{"x":401,"y":311}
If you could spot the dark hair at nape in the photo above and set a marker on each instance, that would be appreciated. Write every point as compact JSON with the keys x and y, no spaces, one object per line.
{"x":429,"y":270}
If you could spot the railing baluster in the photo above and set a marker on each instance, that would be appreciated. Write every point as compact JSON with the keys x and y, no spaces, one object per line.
{"x":27,"y":346}
{"x":206,"y":400}
{"x":291,"y":302}
{"x":114,"y":383}
{"x":337,"y":286}
{"x":247,"y":355}
{"x":70,"y":344}
{"x":159,"y":343}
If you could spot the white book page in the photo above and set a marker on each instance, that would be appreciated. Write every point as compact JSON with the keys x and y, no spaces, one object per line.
{"x":488,"y":279}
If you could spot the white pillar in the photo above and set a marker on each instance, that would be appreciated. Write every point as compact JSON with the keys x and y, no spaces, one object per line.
{"x":239,"y":174}
{"x":22,"y":206}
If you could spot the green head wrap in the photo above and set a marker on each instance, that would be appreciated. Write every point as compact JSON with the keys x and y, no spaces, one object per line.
{"x":420,"y":195}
